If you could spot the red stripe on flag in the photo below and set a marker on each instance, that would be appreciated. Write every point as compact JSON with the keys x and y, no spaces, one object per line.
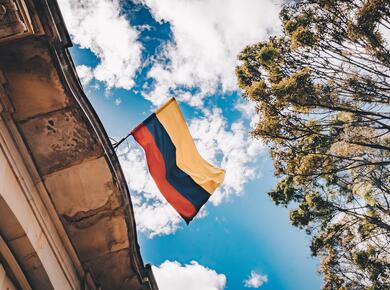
{"x":157,"y":169}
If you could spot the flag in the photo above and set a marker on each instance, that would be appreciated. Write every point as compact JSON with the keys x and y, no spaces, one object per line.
{"x":184,"y":178}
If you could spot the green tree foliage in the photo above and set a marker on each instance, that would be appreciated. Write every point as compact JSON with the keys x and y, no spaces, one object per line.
{"x":322,"y":92}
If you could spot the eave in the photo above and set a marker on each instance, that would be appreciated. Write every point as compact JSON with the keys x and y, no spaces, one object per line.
{"x":67,"y":151}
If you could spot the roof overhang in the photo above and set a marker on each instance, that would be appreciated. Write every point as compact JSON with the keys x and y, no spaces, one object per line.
{"x":65,"y":147}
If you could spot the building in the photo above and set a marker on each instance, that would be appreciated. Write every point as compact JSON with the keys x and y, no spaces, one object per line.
{"x":66,"y":219}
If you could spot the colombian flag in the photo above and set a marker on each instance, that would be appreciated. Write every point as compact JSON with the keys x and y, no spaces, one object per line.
{"x":184,"y":178}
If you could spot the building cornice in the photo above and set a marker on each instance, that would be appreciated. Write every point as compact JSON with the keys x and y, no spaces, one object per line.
{"x":46,"y":41}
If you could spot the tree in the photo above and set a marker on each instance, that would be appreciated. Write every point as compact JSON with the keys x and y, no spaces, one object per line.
{"x":322,"y":92}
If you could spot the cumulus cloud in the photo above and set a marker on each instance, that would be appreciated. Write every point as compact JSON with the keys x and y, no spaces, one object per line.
{"x":226,"y":146}
{"x":85,"y":74}
{"x":99,"y":26}
{"x":248,"y":111}
{"x":174,"y":276}
{"x":255,"y":280}
{"x":207,"y":36}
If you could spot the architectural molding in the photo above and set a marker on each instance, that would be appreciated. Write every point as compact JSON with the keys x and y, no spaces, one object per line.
{"x":16,"y":21}
{"x":31,"y":212}
{"x":13,"y":265}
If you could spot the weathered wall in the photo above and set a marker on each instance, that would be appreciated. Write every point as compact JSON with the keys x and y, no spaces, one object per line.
{"x":66,"y":153}
{"x":22,"y":229}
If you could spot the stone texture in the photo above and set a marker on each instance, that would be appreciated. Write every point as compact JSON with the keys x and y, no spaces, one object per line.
{"x":98,"y":235}
{"x":83,"y":188}
{"x":59,"y":139}
{"x":33,"y":81}
{"x":116,"y":268}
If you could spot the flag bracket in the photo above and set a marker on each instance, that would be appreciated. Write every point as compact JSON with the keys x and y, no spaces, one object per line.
{"x":122,"y":140}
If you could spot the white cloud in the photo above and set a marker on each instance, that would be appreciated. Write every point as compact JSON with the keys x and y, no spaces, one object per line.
{"x":248,"y":111}
{"x":236,"y":151}
{"x":144,"y":27}
{"x":85,"y":74}
{"x":118,"y":101}
{"x":99,"y":26}
{"x":207,"y":36}
{"x":386,"y":34}
{"x":174,"y":276}
{"x":255,"y":280}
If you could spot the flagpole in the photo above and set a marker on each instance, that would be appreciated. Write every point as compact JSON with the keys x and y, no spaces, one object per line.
{"x":122,"y":140}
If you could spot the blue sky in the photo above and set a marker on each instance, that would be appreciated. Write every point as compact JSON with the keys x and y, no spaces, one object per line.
{"x":131,"y":57}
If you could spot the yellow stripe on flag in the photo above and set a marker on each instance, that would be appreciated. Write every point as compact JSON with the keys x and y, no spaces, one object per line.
{"x":187,"y":156}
